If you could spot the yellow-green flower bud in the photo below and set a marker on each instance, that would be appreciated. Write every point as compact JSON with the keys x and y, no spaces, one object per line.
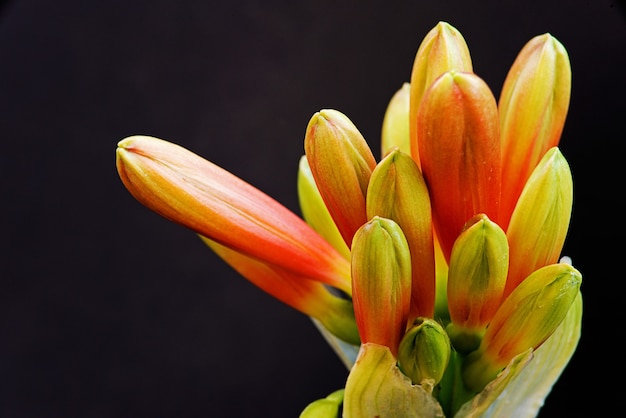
{"x":381,"y":282}
{"x":541,"y":218}
{"x":397,"y":191}
{"x":328,"y":407}
{"x":341,"y":163}
{"x":476,"y":278}
{"x":532,"y":109}
{"x":443,"y":49}
{"x":395,"y":131}
{"x":424,"y":352}
{"x":526,"y":318}
{"x":315,"y":212}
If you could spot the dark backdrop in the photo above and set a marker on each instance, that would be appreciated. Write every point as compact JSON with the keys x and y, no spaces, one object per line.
{"x":107,"y":310}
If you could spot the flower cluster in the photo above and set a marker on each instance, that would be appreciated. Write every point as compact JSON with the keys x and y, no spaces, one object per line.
{"x":434,"y":272}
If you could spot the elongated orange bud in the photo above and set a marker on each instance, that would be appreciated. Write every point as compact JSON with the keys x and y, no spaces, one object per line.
{"x":443,"y":49}
{"x":341,"y":163}
{"x":397,"y":191}
{"x":460,"y":152}
{"x":191,"y":191}
{"x":381,"y":282}
{"x":532,"y":107}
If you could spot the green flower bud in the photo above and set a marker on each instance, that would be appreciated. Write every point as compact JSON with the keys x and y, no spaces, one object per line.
{"x":476,"y":279}
{"x":381,"y":282}
{"x":424,"y":352}
{"x":328,"y":407}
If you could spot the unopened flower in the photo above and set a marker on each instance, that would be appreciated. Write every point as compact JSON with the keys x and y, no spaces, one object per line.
{"x":434,"y":272}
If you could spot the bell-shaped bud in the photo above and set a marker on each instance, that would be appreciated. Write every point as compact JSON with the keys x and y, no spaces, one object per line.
{"x":442,"y":49}
{"x":397,"y":191}
{"x":424,"y":352}
{"x":332,"y":309}
{"x":341,"y":163}
{"x":395,"y":131}
{"x":532,"y":107}
{"x":460,"y":152}
{"x":191,"y":191}
{"x":328,"y":407}
{"x":526,"y":318}
{"x":315,"y":212}
{"x":541,"y":218}
{"x":476,"y":278}
{"x":381,"y":282}
{"x":377,"y":388}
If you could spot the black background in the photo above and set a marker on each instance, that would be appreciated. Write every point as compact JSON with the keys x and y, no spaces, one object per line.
{"x":107,"y":310}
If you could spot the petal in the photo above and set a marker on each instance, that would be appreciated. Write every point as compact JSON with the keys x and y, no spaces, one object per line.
{"x":191,"y":191}
{"x":532,"y":107}
{"x":341,"y":163}
{"x":460,"y":152}
{"x":541,"y":218}
{"x":443,"y":49}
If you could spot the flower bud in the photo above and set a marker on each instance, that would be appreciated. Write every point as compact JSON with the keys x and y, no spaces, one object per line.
{"x":443,"y":49}
{"x":341,"y":163}
{"x":526,"y":318}
{"x":395,"y":131}
{"x":460,"y":152}
{"x":381,"y":282}
{"x":476,"y":278}
{"x":532,"y":108}
{"x":315,"y":212}
{"x":424,"y":352}
{"x":397,"y":191}
{"x":328,"y":407}
{"x":187,"y":189}
{"x":541,"y":218}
